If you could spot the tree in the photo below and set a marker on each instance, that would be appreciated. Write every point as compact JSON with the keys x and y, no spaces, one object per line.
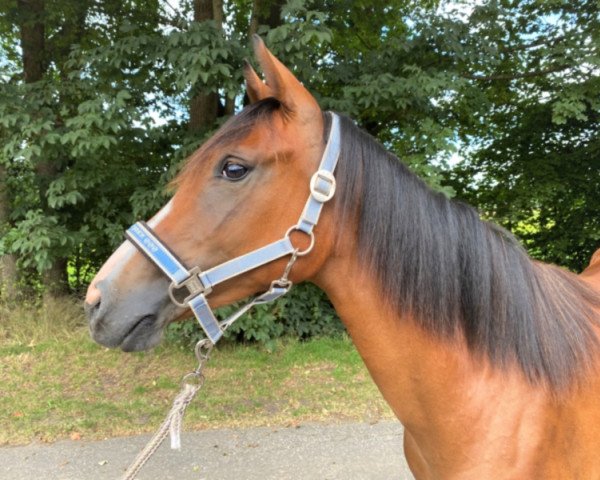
{"x":530,"y":126}
{"x":8,"y":262}
{"x":128,"y":89}
{"x":83,"y":153}
{"x":204,"y":107}
{"x":45,"y":108}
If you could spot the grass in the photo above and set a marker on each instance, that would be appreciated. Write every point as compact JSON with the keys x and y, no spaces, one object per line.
{"x":56,"y":383}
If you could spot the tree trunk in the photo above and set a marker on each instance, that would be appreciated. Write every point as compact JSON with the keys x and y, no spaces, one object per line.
{"x":55,"y":279}
{"x":217,"y":10}
{"x":8,"y":278}
{"x":34,"y":54}
{"x":31,"y":15}
{"x":204,"y":106}
{"x":8,"y":263}
{"x":265,"y":12}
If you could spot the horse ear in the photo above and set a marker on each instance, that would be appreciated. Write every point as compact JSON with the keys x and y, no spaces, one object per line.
{"x":280,"y":82}
{"x":255,"y":87}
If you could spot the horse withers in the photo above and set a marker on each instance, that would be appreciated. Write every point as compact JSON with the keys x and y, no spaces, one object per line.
{"x":489,"y":359}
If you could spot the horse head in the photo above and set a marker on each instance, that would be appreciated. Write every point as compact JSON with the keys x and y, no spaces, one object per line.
{"x":241,"y":190}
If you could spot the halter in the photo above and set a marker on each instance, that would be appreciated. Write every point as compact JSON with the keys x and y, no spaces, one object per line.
{"x":200,"y":283}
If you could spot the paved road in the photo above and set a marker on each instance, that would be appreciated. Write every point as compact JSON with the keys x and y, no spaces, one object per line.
{"x":314,"y":452}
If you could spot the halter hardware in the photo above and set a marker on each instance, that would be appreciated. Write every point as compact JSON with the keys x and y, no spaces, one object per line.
{"x":199,"y":284}
{"x":311,"y":236}
{"x":194,"y":286}
{"x":322,"y":186}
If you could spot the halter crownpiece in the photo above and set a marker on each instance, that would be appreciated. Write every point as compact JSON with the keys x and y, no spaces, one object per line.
{"x":200,"y":283}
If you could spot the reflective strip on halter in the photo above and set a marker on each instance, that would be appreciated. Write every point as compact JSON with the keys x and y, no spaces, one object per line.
{"x":143,"y":238}
{"x":200,"y":284}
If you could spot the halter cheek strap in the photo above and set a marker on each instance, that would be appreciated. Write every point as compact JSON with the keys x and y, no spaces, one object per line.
{"x":200,"y":283}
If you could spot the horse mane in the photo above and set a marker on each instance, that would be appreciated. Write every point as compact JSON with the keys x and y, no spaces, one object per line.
{"x":436,"y":260}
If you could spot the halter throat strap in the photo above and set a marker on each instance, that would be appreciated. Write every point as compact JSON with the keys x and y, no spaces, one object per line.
{"x":200,"y":283}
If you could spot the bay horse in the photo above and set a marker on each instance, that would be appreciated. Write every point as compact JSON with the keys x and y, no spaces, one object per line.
{"x":488,"y":358}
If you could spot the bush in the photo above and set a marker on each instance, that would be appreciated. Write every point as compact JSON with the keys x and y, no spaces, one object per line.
{"x":305,"y":312}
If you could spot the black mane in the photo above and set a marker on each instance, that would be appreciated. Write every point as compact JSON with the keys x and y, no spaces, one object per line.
{"x":454,"y":273}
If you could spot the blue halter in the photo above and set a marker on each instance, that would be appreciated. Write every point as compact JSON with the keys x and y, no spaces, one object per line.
{"x":200,"y":283}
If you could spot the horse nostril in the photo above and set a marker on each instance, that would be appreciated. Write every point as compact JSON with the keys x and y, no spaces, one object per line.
{"x":91,"y":309}
{"x":93,"y":295}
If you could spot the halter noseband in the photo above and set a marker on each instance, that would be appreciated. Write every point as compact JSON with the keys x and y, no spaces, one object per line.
{"x":200,"y":283}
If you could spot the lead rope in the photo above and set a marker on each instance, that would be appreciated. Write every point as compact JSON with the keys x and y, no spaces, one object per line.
{"x":191,"y":384}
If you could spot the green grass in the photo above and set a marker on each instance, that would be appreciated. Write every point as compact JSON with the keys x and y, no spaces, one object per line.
{"x":56,"y":383}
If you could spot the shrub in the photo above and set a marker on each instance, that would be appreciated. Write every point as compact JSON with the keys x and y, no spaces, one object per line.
{"x":303,"y":313}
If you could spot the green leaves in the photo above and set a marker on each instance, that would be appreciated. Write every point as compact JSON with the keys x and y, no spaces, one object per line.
{"x":508,"y":90}
{"x":60,"y":194}
{"x":303,"y":313}
{"x":33,"y":238}
{"x":201,"y":55}
{"x":529,"y":160}
{"x":569,"y":106}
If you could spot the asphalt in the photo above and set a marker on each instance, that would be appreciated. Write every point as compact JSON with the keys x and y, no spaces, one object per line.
{"x":348,"y":451}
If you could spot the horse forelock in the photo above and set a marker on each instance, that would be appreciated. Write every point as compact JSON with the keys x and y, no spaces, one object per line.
{"x":437,"y":261}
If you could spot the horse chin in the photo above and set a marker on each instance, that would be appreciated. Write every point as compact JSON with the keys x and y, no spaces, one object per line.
{"x":144,"y":335}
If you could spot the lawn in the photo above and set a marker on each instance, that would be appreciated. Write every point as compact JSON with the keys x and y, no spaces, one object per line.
{"x":56,"y":383}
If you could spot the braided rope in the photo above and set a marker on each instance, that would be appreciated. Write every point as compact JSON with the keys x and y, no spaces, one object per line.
{"x":171,"y":424}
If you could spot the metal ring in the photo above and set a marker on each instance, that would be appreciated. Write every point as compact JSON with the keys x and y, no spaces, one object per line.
{"x":307,"y":250}
{"x":171,"y":290}
{"x":206,"y":345}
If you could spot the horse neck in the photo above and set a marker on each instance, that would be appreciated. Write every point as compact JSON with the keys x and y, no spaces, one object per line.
{"x":421,"y":376}
{"x":456,"y":406}
{"x":396,"y":351}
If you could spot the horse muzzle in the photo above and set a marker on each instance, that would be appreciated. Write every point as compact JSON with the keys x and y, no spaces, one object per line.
{"x":132,"y":321}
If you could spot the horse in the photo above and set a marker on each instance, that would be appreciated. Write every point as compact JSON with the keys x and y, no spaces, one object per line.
{"x":488,"y":358}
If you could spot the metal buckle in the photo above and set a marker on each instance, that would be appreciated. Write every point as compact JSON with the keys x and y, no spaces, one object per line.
{"x":317,"y":191}
{"x":193,"y":284}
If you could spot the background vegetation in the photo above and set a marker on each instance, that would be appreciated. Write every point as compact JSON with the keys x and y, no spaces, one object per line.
{"x":101,"y":101}
{"x":102,"y":395}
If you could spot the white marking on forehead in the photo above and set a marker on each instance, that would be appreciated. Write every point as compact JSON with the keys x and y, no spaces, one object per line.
{"x":160,"y":216}
{"x":121,"y":256}
{"x":117,"y":261}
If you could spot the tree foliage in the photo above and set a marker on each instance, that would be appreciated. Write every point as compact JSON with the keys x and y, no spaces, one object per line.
{"x":97,"y":120}
{"x":532,"y":142}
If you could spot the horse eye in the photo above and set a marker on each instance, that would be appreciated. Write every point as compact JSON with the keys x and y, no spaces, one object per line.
{"x":234,"y":171}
